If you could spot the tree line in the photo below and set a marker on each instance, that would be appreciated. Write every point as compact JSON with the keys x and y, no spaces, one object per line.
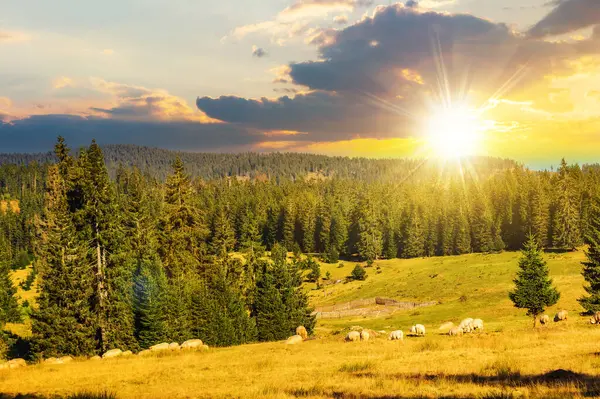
{"x":127,"y":257}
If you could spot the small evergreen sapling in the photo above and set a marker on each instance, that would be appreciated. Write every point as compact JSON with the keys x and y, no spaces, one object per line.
{"x":533,"y":286}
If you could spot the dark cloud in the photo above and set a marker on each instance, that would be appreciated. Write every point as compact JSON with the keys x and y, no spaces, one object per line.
{"x":412,"y":4}
{"x":568,"y":16}
{"x":38,"y":133}
{"x":258,"y":52}
{"x":324,"y":116}
{"x":377,"y":77}
{"x":371,"y":56}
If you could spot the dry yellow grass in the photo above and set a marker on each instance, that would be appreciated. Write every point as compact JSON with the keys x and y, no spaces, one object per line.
{"x":14,"y":206}
{"x":483,"y":365}
{"x":510,"y":359}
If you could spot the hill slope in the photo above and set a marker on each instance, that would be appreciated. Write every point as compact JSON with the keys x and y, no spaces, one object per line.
{"x":509,"y":359}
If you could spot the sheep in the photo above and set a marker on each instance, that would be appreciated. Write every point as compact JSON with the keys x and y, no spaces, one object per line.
{"x":16,"y":363}
{"x":455,"y":331}
{"x":192,"y":344}
{"x":174,"y":346}
{"x":477,"y":325}
{"x":397,"y":335}
{"x":364,"y":335}
{"x":301,"y":331}
{"x":294,"y":339}
{"x":544,"y":319}
{"x":127,"y":353}
{"x":418,"y":329}
{"x":561,"y":316}
{"x":595,"y":318}
{"x":466,"y":325}
{"x":112,"y":353}
{"x":353,"y":336}
{"x":160,"y":347}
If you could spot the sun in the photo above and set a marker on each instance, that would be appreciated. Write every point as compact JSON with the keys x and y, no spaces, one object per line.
{"x":454,"y":132}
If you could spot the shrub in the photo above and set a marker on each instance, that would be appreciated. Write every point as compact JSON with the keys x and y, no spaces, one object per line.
{"x":328,"y":275}
{"x":358,"y":273}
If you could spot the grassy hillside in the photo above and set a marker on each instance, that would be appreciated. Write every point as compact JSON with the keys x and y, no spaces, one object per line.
{"x":509,"y":359}
{"x":474,"y":285}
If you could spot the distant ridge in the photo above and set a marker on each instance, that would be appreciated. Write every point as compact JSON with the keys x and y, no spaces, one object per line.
{"x":208,"y":165}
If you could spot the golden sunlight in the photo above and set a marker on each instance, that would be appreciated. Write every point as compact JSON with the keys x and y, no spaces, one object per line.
{"x":454,"y":132}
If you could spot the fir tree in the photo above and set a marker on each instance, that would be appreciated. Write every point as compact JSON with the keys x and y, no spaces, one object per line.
{"x":566,"y":229}
{"x":223,"y":237}
{"x":591,"y":267}
{"x":63,"y":323}
{"x":370,"y":242}
{"x":280,"y":303}
{"x":150,"y":304}
{"x":533,"y":287}
{"x":101,"y":226}
{"x":9,"y":307}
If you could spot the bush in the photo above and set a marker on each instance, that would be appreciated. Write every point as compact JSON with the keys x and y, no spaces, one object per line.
{"x":331,"y":256}
{"x":358,"y":273}
{"x":327,"y":275}
{"x":315,"y":272}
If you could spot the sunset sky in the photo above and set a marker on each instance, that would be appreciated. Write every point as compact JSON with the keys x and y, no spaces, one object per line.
{"x":340,"y":77}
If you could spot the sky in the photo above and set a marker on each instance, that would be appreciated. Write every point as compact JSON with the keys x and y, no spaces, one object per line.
{"x":339,"y":77}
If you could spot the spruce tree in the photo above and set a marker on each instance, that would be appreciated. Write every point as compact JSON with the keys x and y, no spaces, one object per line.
{"x":591,"y":267}
{"x":280,"y":303}
{"x":142,"y":245}
{"x":63,"y":323}
{"x":370,"y":240}
{"x":534,"y":290}
{"x":566,"y":223}
{"x":182,"y":251}
{"x":102,"y":228}
{"x":223,"y":235}
{"x":9,"y":307}
{"x":150,"y":304}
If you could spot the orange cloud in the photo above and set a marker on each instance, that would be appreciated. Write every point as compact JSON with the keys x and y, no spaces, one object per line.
{"x":62,"y":82}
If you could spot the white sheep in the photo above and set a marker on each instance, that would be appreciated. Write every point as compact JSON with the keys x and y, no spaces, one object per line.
{"x":477,"y":325}
{"x":455,"y":331}
{"x":418,"y":329}
{"x":353,"y":336}
{"x":364,"y":335}
{"x":466,"y":325}
{"x":397,"y":335}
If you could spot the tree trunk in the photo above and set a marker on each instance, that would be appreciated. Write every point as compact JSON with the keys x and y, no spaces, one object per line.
{"x":100,"y":293}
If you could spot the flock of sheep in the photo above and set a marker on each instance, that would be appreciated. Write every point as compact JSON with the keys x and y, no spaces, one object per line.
{"x":466,"y":326}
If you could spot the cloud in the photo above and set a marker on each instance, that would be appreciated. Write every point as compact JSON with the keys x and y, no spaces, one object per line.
{"x":38,"y":133}
{"x":324,"y":115}
{"x":568,"y":16}
{"x":341,"y":19}
{"x":371,"y":81}
{"x":299,"y":19}
{"x":594,"y":94}
{"x":62,"y":82}
{"x":108,"y":51}
{"x":140,"y":103}
{"x":258,"y":52}
{"x":11,"y":37}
